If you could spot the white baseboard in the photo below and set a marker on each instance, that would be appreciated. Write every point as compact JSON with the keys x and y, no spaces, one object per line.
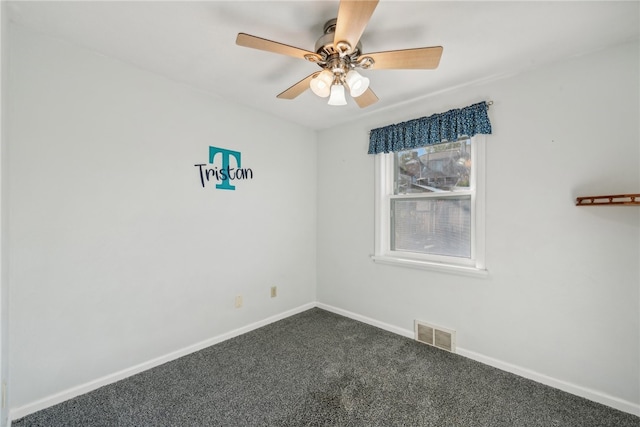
{"x":577,"y":390}
{"x":587,"y":393}
{"x":593,"y":395}
{"x":387,"y":327}
{"x":54,"y":399}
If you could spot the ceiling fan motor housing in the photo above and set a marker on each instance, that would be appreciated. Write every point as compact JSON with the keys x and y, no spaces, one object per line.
{"x":325,"y":45}
{"x":334,"y":59}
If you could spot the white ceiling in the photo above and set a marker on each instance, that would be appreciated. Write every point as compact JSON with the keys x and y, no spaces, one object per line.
{"x":194,"y":43}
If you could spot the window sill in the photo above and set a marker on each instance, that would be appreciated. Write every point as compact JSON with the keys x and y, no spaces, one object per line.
{"x":432,"y":266}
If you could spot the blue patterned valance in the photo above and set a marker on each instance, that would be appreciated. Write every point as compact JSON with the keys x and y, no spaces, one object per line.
{"x":434,"y":129}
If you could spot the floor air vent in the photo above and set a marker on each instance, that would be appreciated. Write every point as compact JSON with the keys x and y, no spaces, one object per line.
{"x":435,"y":336}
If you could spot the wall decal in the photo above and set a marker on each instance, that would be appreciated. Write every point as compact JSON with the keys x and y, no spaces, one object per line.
{"x":225,"y":173}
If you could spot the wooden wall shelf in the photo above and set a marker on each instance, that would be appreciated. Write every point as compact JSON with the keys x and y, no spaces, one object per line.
{"x":619,"y":199}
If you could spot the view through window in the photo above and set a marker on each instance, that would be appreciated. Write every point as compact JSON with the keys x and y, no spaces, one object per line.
{"x":431,"y":205}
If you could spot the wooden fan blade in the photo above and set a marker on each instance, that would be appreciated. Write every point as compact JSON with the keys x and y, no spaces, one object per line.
{"x":254,"y":42}
{"x":353,"y":17}
{"x":297,"y":88}
{"x":424,"y":58}
{"x":366,"y":99}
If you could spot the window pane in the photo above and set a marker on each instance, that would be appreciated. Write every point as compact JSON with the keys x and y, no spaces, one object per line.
{"x":435,"y":226}
{"x":436,"y":168}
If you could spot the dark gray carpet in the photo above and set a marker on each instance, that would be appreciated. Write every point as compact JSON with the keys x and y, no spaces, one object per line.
{"x":320,"y":369}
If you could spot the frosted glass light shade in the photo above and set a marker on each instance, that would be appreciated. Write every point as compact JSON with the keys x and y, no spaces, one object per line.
{"x":337,"y":95}
{"x":357,"y":83}
{"x":321,"y":84}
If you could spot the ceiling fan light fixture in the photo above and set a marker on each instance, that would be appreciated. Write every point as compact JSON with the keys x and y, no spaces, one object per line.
{"x":337,"y":95}
{"x":321,"y":84}
{"x":357,"y":83}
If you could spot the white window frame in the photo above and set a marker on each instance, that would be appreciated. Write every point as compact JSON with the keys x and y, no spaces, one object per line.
{"x":474,"y":266}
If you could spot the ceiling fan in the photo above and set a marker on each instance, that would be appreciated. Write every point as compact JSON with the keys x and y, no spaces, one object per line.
{"x":339,"y":53}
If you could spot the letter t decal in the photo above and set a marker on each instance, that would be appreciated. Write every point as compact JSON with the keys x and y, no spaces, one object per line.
{"x":224,"y":184}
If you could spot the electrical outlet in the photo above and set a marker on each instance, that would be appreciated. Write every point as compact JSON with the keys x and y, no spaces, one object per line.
{"x":238,"y":301}
{"x":274,"y":291}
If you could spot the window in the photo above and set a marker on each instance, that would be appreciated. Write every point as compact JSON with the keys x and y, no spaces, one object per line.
{"x":429,"y":207}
